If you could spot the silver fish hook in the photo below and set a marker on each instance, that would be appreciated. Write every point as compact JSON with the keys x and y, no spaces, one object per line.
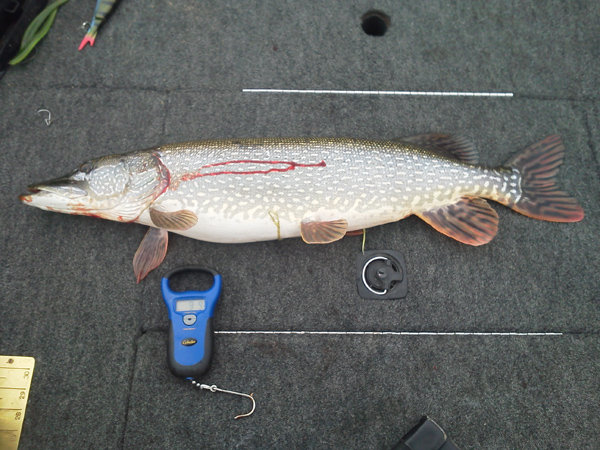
{"x":214,"y":388}
{"x":49,"y":119}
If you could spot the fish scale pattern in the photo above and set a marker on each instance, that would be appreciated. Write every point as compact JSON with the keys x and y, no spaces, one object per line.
{"x":366,"y":182}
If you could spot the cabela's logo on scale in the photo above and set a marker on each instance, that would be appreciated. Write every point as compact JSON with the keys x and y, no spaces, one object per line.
{"x":188,"y":341}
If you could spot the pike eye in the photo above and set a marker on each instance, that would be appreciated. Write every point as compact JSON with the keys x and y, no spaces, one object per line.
{"x":86,"y":167}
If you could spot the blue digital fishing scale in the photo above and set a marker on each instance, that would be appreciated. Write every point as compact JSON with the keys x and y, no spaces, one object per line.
{"x":191,"y":329}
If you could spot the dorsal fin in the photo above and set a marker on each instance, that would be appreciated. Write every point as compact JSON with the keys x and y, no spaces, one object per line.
{"x":453,"y":145}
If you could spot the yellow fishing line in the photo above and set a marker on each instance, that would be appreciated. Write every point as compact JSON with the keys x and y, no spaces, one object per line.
{"x":364,"y":240}
{"x":275,"y":218}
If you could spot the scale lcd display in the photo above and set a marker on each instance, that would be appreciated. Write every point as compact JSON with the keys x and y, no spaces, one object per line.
{"x":190,"y":305}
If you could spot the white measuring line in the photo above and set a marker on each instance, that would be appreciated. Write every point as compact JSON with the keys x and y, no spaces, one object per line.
{"x":416,"y":93}
{"x":396,"y":333}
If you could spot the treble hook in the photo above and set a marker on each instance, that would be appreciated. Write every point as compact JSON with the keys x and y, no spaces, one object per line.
{"x":214,"y":388}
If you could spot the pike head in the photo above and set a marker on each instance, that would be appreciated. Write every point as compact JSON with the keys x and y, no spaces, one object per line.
{"x":117,"y":187}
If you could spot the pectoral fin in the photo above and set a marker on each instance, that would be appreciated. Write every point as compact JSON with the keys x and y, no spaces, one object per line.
{"x":471,"y":221}
{"x":314,"y":232}
{"x":178,"y":220}
{"x":150,"y":253}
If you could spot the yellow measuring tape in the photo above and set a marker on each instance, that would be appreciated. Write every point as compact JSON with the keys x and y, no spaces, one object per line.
{"x":15,"y":380}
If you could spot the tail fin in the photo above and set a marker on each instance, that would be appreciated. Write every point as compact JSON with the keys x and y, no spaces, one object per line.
{"x":89,"y":38}
{"x":540,"y":197}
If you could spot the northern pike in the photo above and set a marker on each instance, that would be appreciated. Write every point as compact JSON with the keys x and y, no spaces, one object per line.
{"x":245,"y":190}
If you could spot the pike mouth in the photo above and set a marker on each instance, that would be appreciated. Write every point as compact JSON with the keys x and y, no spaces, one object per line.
{"x":29,"y":198}
{"x":62,"y":188}
{"x":53,"y":194}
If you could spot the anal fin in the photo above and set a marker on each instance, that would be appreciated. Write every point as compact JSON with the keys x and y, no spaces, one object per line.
{"x":315,"y":232}
{"x":471,"y":221}
{"x":150,"y":253}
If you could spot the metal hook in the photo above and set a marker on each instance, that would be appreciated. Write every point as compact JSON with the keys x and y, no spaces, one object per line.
{"x":49,"y":119}
{"x":214,"y":388}
{"x":85,"y":26}
{"x":15,"y":7}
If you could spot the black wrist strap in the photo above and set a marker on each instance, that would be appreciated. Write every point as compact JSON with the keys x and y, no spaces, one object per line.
{"x":426,"y":435}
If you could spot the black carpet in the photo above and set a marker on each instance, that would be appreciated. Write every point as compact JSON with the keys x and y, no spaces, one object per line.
{"x":163,"y":72}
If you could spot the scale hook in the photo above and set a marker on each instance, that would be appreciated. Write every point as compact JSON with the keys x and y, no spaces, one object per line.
{"x":214,"y":388}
